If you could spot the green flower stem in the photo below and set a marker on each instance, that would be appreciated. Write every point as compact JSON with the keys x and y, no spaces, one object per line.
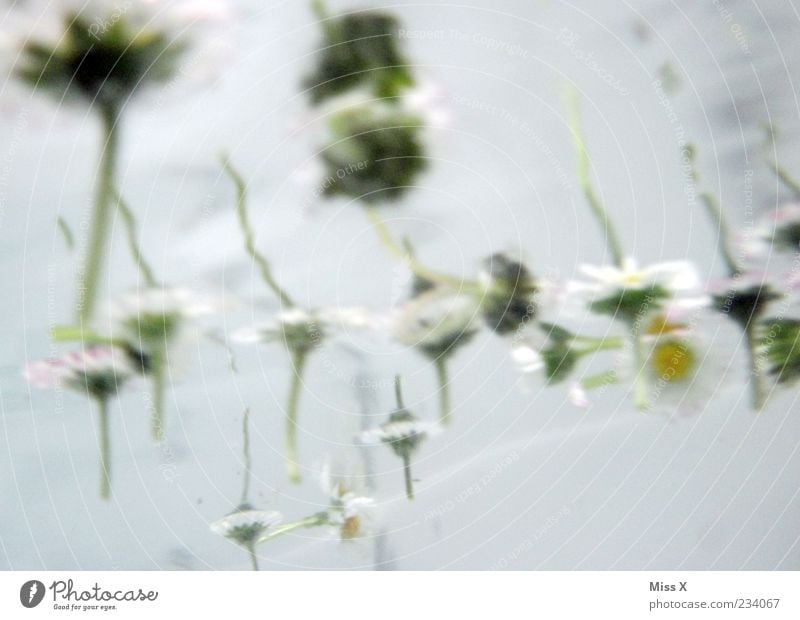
{"x":70,"y":333}
{"x":129,"y":220}
{"x":251,"y":551}
{"x":249,"y":238}
{"x":444,"y":390}
{"x":759,"y":390}
{"x":95,"y":255}
{"x":407,"y":475}
{"x":159,"y":384}
{"x":105,"y":456}
{"x":717,"y":217}
{"x":734,"y":269}
{"x":398,"y":392}
{"x":593,"y":345}
{"x":409,"y":259}
{"x":601,"y":380}
{"x":290,"y":454}
{"x":640,"y":388}
{"x":785,"y":177}
{"x":584,"y":179}
{"x":315,"y":520}
{"x":248,"y":460}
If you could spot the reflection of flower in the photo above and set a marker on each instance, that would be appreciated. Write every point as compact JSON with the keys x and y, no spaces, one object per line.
{"x":97,"y":371}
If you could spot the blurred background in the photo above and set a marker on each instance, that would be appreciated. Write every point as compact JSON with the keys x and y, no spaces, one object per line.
{"x":522,"y":479}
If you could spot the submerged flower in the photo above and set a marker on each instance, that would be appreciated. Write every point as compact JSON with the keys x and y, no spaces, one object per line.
{"x":509,"y":289}
{"x":437,"y":322}
{"x":348,"y":506}
{"x":103,"y":56}
{"x":403,"y":432}
{"x":630,"y":291}
{"x":246,"y":525}
{"x":744,"y":297}
{"x":360,"y":49}
{"x":555,"y":351}
{"x":779,"y":231}
{"x":98,"y":371}
{"x":154,"y":316}
{"x":374,"y":151}
{"x":780,"y":342}
{"x":301,"y":330}
{"x":680,"y":366}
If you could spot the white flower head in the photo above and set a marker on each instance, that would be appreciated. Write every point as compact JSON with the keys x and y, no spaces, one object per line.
{"x":674,"y":276}
{"x":437,"y":321}
{"x":349,"y":507}
{"x":246,"y":525}
{"x":577,"y":395}
{"x":527,"y":359}
{"x":98,"y":371}
{"x":398,"y":431}
{"x":778,"y":230}
{"x":154,"y":316}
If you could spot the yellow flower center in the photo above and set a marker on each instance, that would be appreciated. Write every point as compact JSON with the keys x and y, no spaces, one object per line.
{"x":351,"y":528}
{"x":673,"y":361}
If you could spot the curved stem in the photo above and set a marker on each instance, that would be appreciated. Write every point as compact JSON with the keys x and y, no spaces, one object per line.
{"x":585,"y":182}
{"x":411,"y":261}
{"x":756,"y":372}
{"x":105,"y":456}
{"x":290,"y":454}
{"x":129,"y":220}
{"x":249,"y":238}
{"x":407,"y":475}
{"x":715,"y":213}
{"x":444,"y":390}
{"x":95,"y":254}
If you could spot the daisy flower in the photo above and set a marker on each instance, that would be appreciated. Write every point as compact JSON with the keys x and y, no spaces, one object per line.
{"x":681,"y":367}
{"x":779,"y":231}
{"x":359,"y":50}
{"x":246,"y":526}
{"x":403,"y":432}
{"x":151,"y":319}
{"x":99,"y":372}
{"x":349,"y":508}
{"x":629,"y":290}
{"x":101,"y":54}
{"x":301,"y":331}
{"x":509,"y":290}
